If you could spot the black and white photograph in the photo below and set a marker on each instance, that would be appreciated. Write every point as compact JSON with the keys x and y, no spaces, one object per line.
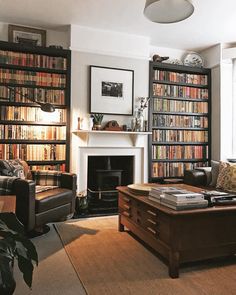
{"x":111,"y":90}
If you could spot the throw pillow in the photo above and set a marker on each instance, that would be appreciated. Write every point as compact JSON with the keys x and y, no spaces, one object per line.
{"x":12,"y":168}
{"x":230,"y":179}
{"x":214,"y":172}
{"x":222,"y":174}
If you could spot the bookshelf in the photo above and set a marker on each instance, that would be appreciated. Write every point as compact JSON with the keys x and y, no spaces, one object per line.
{"x":26,"y":132}
{"x":179,"y":119}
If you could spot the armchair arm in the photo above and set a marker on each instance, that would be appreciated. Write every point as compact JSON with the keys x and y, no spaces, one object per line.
{"x":195,"y":177}
{"x":25,"y":202}
{"x":69,"y":180}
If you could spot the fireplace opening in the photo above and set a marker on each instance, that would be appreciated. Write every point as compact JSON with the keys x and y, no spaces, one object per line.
{"x":105,"y":173}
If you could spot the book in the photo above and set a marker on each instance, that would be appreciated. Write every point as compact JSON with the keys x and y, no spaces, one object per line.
{"x":187,"y":207}
{"x":185,"y":195}
{"x":183,"y":202}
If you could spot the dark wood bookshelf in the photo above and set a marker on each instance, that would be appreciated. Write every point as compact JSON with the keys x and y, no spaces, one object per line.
{"x":45,"y":56}
{"x":159,"y":173}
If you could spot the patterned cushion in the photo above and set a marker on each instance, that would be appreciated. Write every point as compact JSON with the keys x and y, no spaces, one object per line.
{"x":47,"y":177}
{"x":27,"y":171}
{"x":230,"y":179}
{"x":6,"y":185}
{"x":12,"y":168}
{"x":224,"y":170}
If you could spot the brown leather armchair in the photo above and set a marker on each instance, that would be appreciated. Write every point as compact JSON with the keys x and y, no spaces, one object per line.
{"x":48,"y":197}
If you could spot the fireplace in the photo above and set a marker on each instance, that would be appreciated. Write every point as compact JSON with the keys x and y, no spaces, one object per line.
{"x":105,"y":173}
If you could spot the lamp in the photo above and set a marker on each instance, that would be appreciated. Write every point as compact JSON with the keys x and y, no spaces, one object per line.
{"x":168,"y":11}
{"x":45,"y":107}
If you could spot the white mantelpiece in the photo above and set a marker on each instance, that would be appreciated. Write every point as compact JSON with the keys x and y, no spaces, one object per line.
{"x":108,"y":143}
{"x":85,"y":135}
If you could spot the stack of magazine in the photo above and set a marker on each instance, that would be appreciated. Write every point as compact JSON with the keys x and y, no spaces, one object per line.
{"x":176,"y":198}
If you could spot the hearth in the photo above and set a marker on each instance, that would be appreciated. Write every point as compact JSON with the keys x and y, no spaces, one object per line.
{"x":105,"y":173}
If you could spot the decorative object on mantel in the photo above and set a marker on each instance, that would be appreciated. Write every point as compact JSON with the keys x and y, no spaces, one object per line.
{"x":113,"y":126}
{"x":138,"y":120}
{"x":168,"y":11}
{"x":26,"y":35}
{"x":193,"y":59}
{"x":111,"y":91}
{"x":97,"y":121}
{"x":158,"y":58}
{"x":80,"y":123}
{"x":174,"y":61}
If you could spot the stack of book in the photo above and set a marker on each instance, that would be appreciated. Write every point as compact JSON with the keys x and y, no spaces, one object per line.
{"x":177,"y":199}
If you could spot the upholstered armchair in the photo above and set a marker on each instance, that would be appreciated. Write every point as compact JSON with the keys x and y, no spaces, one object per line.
{"x":42,"y":196}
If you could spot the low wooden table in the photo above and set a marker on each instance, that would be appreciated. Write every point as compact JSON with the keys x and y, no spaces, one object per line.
{"x":7,"y":203}
{"x":179,"y":236}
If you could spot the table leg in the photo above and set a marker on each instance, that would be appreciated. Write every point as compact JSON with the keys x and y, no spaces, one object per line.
{"x":120,"y":225}
{"x":174,"y":264}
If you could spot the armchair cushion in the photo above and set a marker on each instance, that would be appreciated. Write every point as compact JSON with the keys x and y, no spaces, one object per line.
{"x":52,"y":198}
{"x":47,"y":177}
{"x":12,"y":168}
{"x":6,"y":185}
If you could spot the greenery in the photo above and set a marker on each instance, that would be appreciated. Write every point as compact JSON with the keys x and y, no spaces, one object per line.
{"x":97,"y":119}
{"x":14,"y":245}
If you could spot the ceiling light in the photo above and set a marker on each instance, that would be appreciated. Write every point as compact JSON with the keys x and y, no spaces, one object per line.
{"x":168,"y":11}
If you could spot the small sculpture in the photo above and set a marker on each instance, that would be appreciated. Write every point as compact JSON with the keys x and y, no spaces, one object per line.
{"x":158,"y":58}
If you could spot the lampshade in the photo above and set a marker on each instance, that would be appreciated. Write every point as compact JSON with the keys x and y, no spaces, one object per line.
{"x":168,"y":11}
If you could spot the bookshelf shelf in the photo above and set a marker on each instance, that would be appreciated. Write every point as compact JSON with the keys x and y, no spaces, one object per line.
{"x":179,"y":118}
{"x":44,"y":75}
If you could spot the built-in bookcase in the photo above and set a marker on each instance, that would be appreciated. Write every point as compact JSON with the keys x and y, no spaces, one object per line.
{"x":179,"y":118}
{"x":26,"y":132}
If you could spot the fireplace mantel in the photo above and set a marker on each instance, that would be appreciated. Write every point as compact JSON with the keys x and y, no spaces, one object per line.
{"x":86,"y":134}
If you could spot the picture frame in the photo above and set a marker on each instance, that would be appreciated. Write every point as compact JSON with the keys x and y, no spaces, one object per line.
{"x":26,"y":35}
{"x":111,"y":91}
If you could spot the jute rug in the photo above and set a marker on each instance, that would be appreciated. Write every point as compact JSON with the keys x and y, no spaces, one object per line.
{"x":112,"y":263}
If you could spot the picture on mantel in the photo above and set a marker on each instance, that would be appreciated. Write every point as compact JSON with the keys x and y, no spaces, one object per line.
{"x":112,"y":89}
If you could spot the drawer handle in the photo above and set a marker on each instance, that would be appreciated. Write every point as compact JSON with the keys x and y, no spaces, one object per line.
{"x":152,"y":213}
{"x":151,"y":230}
{"x":126,"y":207}
{"x":126,"y":199}
{"x":126,"y":214}
{"x":152,"y":222}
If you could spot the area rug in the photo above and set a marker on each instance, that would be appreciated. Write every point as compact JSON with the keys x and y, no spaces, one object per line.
{"x":109,"y":262}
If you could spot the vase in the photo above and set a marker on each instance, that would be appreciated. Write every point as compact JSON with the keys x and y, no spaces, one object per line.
{"x":139,"y":121}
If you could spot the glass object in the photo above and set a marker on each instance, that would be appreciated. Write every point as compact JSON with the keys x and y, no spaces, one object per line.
{"x":139,"y":120}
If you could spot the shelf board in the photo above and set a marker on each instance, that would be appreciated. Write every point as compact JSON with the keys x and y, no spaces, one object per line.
{"x":182,"y":98}
{"x":178,"y":68}
{"x":179,"y":143}
{"x":31,"y":86}
{"x":31,"y":123}
{"x":46,"y":162}
{"x":180,"y":128}
{"x":180,"y":84}
{"x":181,"y":114}
{"x":32,"y":69}
{"x":33,"y":141}
{"x":180,"y":160}
{"x":28,"y":104}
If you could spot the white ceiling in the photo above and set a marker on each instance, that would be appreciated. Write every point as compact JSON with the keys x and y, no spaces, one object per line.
{"x":212,"y":22}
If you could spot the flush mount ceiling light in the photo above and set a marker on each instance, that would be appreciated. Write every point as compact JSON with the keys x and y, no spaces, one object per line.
{"x":168,"y":11}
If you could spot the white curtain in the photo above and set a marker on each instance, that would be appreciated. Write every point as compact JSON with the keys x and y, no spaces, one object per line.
{"x":234,"y":108}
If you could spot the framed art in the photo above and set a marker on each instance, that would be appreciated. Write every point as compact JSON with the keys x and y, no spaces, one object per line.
{"x":26,"y":35}
{"x":111,"y":91}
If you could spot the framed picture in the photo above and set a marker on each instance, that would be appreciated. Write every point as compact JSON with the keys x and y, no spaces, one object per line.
{"x":111,"y":91}
{"x":25,"y":35}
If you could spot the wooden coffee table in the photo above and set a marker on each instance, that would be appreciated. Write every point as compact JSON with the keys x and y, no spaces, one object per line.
{"x":7,"y":203}
{"x":179,"y":236}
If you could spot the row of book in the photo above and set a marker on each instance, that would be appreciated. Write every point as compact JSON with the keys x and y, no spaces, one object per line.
{"x":176,"y":198}
{"x":20,"y":94}
{"x":32,"y":132}
{"x":57,"y":167}
{"x":14,"y":113}
{"x":180,"y":77}
{"x":179,"y":121}
{"x":179,"y":91}
{"x":32,"y":78}
{"x":27,"y":152}
{"x":179,"y":136}
{"x":177,"y":152}
{"x":166,"y":105}
{"x":32,"y":60}
{"x":162,"y":169}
